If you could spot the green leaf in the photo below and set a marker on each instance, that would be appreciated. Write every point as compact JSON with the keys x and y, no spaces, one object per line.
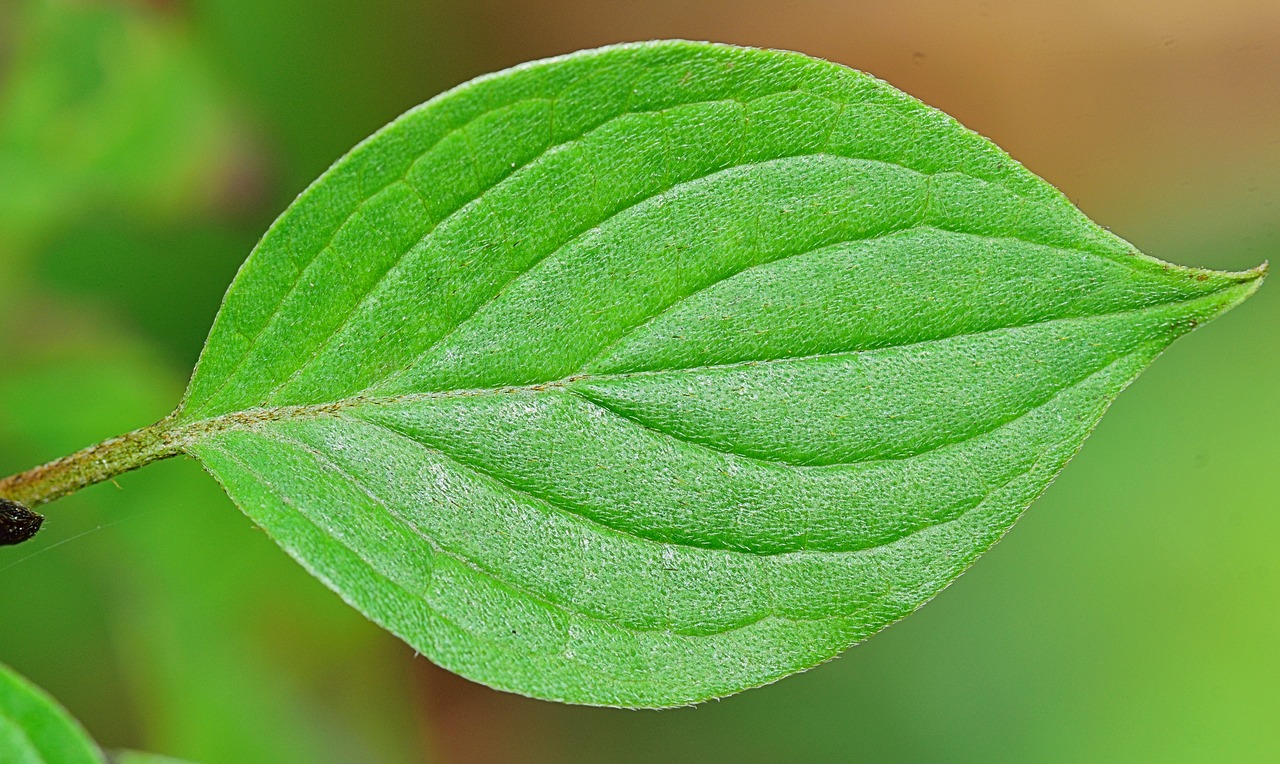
{"x":649,"y":374}
{"x":34,"y":729}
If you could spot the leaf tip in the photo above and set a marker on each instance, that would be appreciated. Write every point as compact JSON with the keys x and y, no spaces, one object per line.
{"x":1251,"y":280}
{"x":1240,"y":286}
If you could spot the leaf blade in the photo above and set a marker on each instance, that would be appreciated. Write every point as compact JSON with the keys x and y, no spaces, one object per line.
{"x":677,"y":393}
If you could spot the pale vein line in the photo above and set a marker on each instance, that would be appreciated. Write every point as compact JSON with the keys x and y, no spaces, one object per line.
{"x":476,"y":569}
{"x":581,"y":513}
{"x":569,"y":611}
{"x":503,"y":181}
{"x":301,"y":271}
{"x":551,"y":254}
{"x":185,"y":435}
{"x":568,"y":607}
{"x":555,"y":506}
{"x":284,"y":499}
{"x":748,"y":267}
{"x":505,"y":481}
{"x":394,"y":266}
{"x":360,"y":205}
{"x":578,"y":513}
{"x":586,"y":396}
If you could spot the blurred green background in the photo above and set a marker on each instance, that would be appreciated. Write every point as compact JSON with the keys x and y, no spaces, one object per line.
{"x":1133,"y":615}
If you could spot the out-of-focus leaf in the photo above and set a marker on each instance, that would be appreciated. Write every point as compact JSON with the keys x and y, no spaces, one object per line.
{"x":34,"y":729}
{"x":104,"y":106}
{"x":649,"y":374}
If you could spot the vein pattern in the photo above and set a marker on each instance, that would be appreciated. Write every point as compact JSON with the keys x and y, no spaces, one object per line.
{"x":649,"y":374}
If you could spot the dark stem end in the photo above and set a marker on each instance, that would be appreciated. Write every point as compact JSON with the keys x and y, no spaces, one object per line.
{"x":17,"y":523}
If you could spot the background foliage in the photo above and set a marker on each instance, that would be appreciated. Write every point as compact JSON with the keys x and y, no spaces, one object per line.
{"x":145,"y":145}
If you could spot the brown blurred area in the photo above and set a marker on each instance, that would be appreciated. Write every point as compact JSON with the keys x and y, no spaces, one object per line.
{"x":1135,"y":109}
{"x":1086,"y":93}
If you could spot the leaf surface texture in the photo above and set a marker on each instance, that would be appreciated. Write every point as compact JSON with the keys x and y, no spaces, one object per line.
{"x":649,"y":374}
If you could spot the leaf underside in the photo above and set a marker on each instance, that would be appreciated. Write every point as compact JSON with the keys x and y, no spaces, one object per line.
{"x":649,"y":374}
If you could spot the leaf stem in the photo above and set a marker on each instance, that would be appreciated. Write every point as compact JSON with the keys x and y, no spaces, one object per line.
{"x":111,"y":457}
